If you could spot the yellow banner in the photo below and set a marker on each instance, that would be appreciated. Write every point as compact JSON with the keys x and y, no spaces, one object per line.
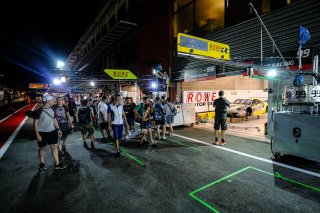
{"x":203,"y":47}
{"x":120,"y":74}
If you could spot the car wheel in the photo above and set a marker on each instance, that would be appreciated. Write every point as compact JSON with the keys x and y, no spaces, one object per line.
{"x":249,"y":111}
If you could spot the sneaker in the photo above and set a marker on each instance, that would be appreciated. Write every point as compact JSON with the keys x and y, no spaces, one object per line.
{"x":60,"y":166}
{"x":216,"y":143}
{"x":129,"y":134}
{"x":164,"y":138}
{"x":171,"y":134}
{"x":127,"y":137}
{"x":42,"y":167}
{"x":85,"y":145}
{"x":117,"y":155}
{"x":223,"y":143}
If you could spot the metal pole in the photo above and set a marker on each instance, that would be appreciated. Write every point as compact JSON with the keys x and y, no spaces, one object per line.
{"x":265,"y":28}
{"x":261,"y":61}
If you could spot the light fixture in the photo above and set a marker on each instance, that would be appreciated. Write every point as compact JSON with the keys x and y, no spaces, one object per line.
{"x":63,"y":79}
{"x":92,"y":83}
{"x":56,"y":81}
{"x":272,"y":73}
{"x":154,"y":85}
{"x":60,"y":65}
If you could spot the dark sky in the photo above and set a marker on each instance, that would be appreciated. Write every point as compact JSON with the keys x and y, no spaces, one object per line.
{"x":34,"y":34}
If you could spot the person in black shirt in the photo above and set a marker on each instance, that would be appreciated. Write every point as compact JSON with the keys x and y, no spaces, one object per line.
{"x":129,"y":110}
{"x":220,"y":118}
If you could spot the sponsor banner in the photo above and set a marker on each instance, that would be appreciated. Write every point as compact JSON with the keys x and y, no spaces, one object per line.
{"x":200,"y":74}
{"x":291,"y":59}
{"x":38,"y":86}
{"x":120,"y":74}
{"x":203,"y":47}
{"x":203,"y":100}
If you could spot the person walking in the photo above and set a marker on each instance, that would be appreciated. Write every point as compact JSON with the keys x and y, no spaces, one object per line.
{"x":103,"y":118}
{"x":220,"y":118}
{"x":63,"y":117}
{"x":47,"y":130}
{"x":159,"y":118}
{"x":116,"y":116}
{"x":129,"y":110}
{"x":85,"y":120}
{"x":171,"y":111}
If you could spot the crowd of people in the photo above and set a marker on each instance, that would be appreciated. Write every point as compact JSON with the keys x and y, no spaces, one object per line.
{"x":115,"y":116}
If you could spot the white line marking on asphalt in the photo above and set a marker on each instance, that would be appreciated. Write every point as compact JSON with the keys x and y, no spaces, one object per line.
{"x":252,"y":156}
{"x":6,"y":145}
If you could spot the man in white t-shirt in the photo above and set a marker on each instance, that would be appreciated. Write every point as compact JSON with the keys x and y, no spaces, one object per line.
{"x":103,"y":118}
{"x":116,"y":116}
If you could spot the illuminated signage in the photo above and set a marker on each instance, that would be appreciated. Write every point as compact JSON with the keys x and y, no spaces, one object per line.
{"x":120,"y":74}
{"x":202,"y":47}
{"x":38,"y":86}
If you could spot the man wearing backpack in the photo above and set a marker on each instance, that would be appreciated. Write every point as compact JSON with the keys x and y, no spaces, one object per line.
{"x":64,"y":120}
{"x":170,"y":110}
{"x":47,"y":131}
{"x":159,"y":118}
{"x":85,"y":120}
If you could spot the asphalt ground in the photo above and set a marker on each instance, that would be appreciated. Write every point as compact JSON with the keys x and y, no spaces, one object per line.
{"x":181,"y":175}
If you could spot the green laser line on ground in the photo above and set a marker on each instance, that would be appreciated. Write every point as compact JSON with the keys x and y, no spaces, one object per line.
{"x":129,"y":155}
{"x":174,"y":141}
{"x":276,"y":174}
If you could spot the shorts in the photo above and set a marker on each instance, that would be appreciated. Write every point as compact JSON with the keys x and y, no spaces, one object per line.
{"x":103,"y":125}
{"x":130,"y":121}
{"x":64,"y":127}
{"x":220,"y":122}
{"x":160,"y":122}
{"x":117,"y":131}
{"x":48,"y":138}
{"x":87,"y":128}
{"x":169,"y":119}
{"x":146,"y":125}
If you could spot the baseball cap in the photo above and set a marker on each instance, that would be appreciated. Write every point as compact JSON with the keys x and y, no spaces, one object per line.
{"x":47,"y":98}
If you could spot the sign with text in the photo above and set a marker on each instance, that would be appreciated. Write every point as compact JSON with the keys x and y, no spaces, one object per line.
{"x":203,"y":47}
{"x":118,"y":74}
{"x":200,"y":74}
{"x":291,"y":60}
{"x":38,"y":86}
{"x":302,"y":94}
{"x":203,"y":100}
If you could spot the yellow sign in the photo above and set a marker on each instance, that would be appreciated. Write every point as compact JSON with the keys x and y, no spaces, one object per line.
{"x":203,"y":47}
{"x":120,"y":74}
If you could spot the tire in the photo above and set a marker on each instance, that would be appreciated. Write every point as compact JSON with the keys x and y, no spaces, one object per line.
{"x":249,"y":111}
{"x":277,"y":155}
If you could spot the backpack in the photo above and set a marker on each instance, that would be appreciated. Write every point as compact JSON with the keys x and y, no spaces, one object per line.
{"x":84,"y":115}
{"x":173,"y":110}
{"x":31,"y":113}
{"x":141,"y":110}
{"x":158,"y":112}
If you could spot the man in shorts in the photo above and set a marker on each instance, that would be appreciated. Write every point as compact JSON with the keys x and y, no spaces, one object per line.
{"x":220,"y":119}
{"x":116,"y":116}
{"x":47,"y":130}
{"x":85,"y":120}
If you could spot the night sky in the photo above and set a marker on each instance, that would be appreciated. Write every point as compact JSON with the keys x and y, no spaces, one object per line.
{"x":35,"y":34}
